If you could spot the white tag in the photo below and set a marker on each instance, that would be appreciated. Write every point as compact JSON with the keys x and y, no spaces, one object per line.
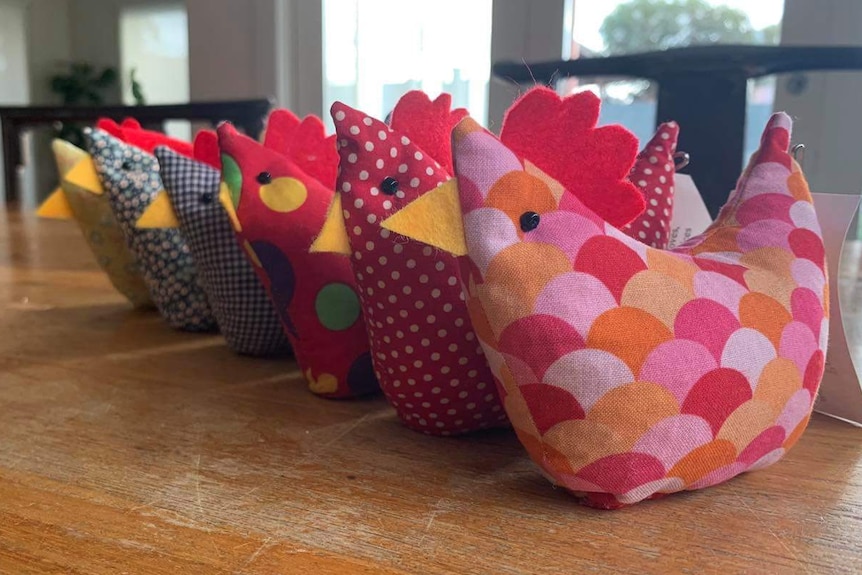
{"x":690,"y":216}
{"x":840,"y":393}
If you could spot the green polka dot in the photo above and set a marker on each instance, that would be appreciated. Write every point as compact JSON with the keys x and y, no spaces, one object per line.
{"x":337,"y":306}
{"x":232,"y":176}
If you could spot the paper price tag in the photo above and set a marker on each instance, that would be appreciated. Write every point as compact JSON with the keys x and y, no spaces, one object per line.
{"x":840,"y":393}
{"x":690,"y":216}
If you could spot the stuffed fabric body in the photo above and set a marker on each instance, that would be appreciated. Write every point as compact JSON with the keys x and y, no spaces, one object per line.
{"x":239,"y":301}
{"x":90,"y":208}
{"x":277,"y":210}
{"x":131,"y":181}
{"x":630,"y":372}
{"x":426,"y":355}
{"x":653,"y":174}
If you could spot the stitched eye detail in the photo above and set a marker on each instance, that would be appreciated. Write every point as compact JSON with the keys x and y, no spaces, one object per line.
{"x":530,"y":221}
{"x":207,"y":198}
{"x":264,"y":178}
{"x":389,"y":186}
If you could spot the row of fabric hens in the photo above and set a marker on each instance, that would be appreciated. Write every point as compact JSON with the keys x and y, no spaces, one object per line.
{"x":483,"y":281}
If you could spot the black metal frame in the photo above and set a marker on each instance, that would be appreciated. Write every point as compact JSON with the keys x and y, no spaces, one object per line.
{"x":247,"y":115}
{"x":703,"y":88}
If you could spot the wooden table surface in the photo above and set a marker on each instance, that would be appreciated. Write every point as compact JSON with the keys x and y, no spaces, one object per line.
{"x":126,"y":447}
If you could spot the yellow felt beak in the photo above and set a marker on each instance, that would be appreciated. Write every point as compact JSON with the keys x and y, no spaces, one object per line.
{"x":84,"y":176}
{"x":159,"y":214}
{"x":56,"y":207}
{"x":333,"y":236}
{"x":433,"y":219}
{"x":227,"y":203}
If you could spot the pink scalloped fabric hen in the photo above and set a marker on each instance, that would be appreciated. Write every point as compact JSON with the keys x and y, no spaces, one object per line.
{"x":630,"y":372}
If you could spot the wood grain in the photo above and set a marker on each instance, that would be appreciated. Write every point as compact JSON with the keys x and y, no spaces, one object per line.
{"x":130,"y":448}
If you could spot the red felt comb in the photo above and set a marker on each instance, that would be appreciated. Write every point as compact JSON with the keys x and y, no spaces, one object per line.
{"x":111,"y":127}
{"x":306,"y":143}
{"x":130,"y":132}
{"x":428,"y":123}
{"x":560,"y":137}
{"x":280,"y":128}
{"x":206,"y":148}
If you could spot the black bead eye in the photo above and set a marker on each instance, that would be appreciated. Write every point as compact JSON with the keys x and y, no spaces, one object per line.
{"x":264,"y":178}
{"x":529,"y":221}
{"x":389,"y":186}
{"x":207,"y":198}
{"x":127,"y":166}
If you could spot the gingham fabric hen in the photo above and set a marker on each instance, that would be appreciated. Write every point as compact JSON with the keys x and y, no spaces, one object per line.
{"x":241,"y":306}
{"x":630,"y":372}
{"x":131,"y":180}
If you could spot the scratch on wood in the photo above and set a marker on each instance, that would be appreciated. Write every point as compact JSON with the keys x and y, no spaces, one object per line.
{"x":268,"y":542}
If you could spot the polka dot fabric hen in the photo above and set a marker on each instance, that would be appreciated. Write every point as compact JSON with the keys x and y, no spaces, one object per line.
{"x":630,"y":372}
{"x":84,"y":200}
{"x":653,"y":174}
{"x":427,"y":358}
{"x":131,"y":180}
{"x":277,"y":210}
{"x":239,"y":302}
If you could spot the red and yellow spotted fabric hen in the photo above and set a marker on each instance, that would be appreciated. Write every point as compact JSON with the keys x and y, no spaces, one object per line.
{"x":630,"y":372}
{"x":278,"y":195}
{"x":427,"y":357}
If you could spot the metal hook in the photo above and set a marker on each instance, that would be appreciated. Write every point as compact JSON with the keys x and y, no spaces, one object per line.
{"x":798,"y":153}
{"x":681,"y":160}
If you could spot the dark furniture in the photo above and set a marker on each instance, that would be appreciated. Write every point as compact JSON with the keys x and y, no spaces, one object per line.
{"x":703,"y":89}
{"x":247,"y":115}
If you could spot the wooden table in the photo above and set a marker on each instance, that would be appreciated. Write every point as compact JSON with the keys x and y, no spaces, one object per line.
{"x":127,"y":447}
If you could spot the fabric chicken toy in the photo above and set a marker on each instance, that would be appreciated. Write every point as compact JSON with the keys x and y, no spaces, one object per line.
{"x":130,"y":177}
{"x":82,"y":198}
{"x":189,"y":201}
{"x":426,"y":355}
{"x":630,"y":372}
{"x":277,"y":196}
{"x":653,"y":173}
{"x":546,"y":131}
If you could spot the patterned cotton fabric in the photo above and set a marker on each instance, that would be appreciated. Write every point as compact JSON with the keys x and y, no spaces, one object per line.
{"x":630,"y":372}
{"x":131,"y":181}
{"x":654,"y":173}
{"x":92,"y":212}
{"x":277,"y":209}
{"x":426,"y":355}
{"x":239,"y":302}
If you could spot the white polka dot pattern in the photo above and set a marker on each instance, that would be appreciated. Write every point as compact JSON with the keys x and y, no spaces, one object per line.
{"x":425,"y":354}
{"x":653,"y":174}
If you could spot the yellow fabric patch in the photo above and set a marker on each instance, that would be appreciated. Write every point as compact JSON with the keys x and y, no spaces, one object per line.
{"x":56,"y":207}
{"x":434,"y":219}
{"x":333,"y":236}
{"x":226,"y":202}
{"x":85,"y":177}
{"x":283,"y":194}
{"x":325,"y":384}
{"x":159,"y":214}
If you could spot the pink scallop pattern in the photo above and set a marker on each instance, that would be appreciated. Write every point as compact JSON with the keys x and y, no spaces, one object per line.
{"x":611,"y":401}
